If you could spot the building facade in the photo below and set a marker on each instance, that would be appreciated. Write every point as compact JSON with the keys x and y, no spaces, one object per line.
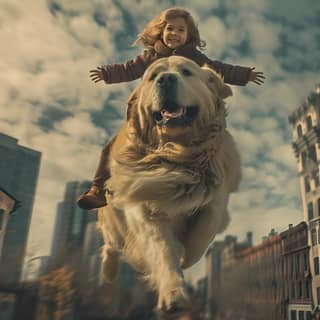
{"x":259,"y":279}
{"x":295,"y":282}
{"x":268,"y":281}
{"x":19,"y":170}
{"x":222,"y":275}
{"x":305,"y":126}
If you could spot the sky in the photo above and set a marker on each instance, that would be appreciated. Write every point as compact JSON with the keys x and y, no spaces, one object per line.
{"x":48,"y":102}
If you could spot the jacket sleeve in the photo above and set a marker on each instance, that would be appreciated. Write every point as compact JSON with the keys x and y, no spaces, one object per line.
{"x":231,"y":74}
{"x":128,"y":71}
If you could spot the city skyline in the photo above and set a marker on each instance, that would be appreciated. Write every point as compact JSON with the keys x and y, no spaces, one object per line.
{"x":49,"y":104}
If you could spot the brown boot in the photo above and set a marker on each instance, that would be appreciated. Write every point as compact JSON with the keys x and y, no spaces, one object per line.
{"x":92,"y":199}
{"x":95,"y":197}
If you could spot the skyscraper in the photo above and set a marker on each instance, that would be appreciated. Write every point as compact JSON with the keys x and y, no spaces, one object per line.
{"x":76,"y":240}
{"x":19,"y":169}
{"x":305,"y":126}
{"x":71,"y":223}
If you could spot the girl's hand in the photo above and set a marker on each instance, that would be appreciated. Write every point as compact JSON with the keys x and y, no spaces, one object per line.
{"x":256,"y":77}
{"x":96,"y":75}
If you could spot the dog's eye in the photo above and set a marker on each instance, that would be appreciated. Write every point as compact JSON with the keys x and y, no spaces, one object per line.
{"x":186,"y":72}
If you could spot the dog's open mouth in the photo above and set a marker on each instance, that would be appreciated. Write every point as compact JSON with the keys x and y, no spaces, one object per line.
{"x":175,"y":116}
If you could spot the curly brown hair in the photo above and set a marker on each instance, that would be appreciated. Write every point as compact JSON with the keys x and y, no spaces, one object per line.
{"x":154,"y":29}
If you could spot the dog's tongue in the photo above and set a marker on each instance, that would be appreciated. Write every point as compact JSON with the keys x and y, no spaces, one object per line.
{"x":169,"y":115}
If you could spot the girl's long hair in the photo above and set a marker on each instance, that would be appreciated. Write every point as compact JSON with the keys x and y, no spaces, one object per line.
{"x":154,"y":29}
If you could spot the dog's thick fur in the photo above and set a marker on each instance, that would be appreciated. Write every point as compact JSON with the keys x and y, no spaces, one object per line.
{"x":170,"y":182}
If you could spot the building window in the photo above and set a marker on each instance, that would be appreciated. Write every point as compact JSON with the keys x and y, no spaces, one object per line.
{"x":316,"y":265}
{"x":308,"y":289}
{"x":309,"y":123}
{"x":300,"y":289}
{"x":307,"y":184}
{"x":291,"y":266}
{"x":315,"y":175}
{"x":293,"y":314}
{"x":299,"y":130}
{"x":304,"y":159}
{"x":314,"y":236}
{"x":310,"y":210}
{"x":312,"y":153}
{"x":301,"y":315}
{"x":298,"y":263}
{"x":306,"y":263}
{"x":318,"y":295}
{"x":293,"y":289}
{"x":1,"y":218}
{"x":308,"y":313}
{"x":318,"y":202}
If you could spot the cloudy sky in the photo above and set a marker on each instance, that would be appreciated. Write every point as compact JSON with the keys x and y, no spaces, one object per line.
{"x":48,"y":102}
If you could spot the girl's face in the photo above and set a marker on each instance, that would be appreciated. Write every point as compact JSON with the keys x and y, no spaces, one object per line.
{"x":175,"y":33}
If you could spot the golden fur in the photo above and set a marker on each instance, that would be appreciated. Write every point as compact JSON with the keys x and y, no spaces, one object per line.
{"x":169,"y":185}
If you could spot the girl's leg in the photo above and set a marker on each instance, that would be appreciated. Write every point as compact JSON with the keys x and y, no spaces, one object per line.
{"x":95,"y":196}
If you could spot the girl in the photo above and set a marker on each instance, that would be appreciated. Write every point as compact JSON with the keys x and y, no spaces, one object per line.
{"x":173,"y":32}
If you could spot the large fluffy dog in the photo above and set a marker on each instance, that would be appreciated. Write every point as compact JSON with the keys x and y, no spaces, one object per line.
{"x":173,"y":166}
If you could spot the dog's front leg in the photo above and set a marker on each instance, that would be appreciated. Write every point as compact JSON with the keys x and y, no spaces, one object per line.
{"x":169,"y":252}
{"x":210,"y":220}
{"x":162,"y":253}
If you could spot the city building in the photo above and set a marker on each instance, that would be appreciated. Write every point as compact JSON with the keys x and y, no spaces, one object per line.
{"x":91,"y":257}
{"x":221,"y":267}
{"x":259,"y":280}
{"x":19,"y":170}
{"x":213,"y":271}
{"x":305,"y":126}
{"x":295,"y":281}
{"x":70,"y":225}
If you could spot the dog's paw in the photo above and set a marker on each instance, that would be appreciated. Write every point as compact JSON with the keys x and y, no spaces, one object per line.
{"x":174,"y":300}
{"x":110,"y":265}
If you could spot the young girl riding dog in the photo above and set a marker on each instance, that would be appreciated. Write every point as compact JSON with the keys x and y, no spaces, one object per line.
{"x":173,"y":32}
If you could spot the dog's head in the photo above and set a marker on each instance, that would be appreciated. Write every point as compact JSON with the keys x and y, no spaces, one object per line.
{"x":175,"y":100}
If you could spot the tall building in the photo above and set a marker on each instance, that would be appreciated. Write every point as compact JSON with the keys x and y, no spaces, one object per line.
{"x":76,"y":240}
{"x":305,"y":126}
{"x":71,"y":223}
{"x":19,"y":170}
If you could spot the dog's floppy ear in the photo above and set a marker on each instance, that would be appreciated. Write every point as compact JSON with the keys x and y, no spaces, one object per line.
{"x":216,"y":80}
{"x":138,"y":126}
{"x":132,"y":101}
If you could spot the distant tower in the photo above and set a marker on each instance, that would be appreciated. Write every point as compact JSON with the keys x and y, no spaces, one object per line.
{"x":19,"y":169}
{"x":305,"y":126}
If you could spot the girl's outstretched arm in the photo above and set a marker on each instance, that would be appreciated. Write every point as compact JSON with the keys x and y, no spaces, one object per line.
{"x":122,"y":72}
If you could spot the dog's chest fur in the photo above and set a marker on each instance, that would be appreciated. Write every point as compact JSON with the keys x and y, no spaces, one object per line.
{"x":167,"y":189}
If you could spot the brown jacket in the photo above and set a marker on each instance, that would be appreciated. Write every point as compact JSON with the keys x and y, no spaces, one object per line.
{"x":134,"y":69}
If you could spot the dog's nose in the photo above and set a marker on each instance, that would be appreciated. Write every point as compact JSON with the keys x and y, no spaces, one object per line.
{"x":167,"y":80}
